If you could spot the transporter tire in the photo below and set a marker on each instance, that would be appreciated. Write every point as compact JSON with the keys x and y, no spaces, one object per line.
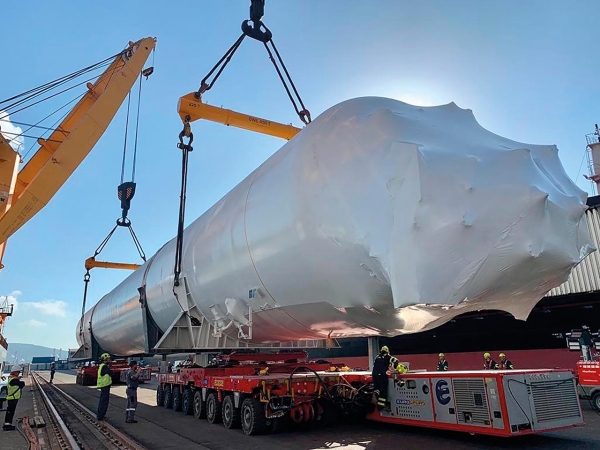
{"x":253,"y":417}
{"x":187,"y":404}
{"x":160,"y":395}
{"x":231,"y":414}
{"x":177,"y":400}
{"x":199,"y":406}
{"x":213,"y":408}
{"x":596,"y":401}
{"x":280,"y":424}
{"x":168,"y":397}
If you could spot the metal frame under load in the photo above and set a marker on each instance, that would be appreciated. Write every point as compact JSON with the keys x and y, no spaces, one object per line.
{"x":264,"y":396}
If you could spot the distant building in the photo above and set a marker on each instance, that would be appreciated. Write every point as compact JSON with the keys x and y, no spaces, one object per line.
{"x":41,"y":362}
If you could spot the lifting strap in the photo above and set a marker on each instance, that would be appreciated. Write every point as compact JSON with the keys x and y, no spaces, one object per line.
{"x":258,"y":31}
{"x":185,"y":150}
{"x":91,"y":262}
{"x":125,"y":193}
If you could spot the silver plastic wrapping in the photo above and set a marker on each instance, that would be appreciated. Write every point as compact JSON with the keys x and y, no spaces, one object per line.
{"x":380,"y":218}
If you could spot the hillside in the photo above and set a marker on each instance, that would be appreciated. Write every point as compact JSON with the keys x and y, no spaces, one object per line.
{"x":27,"y":351}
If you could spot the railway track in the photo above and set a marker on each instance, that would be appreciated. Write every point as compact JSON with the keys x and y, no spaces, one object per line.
{"x":74,"y":426}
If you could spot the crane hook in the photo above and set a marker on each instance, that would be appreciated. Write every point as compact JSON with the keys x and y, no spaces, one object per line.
{"x":186,"y":132}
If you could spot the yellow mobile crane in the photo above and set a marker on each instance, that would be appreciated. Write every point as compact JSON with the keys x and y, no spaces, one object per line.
{"x":24,"y":193}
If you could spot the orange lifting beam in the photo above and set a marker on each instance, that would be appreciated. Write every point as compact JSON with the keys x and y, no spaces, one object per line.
{"x":91,"y":263}
{"x":194,"y":109}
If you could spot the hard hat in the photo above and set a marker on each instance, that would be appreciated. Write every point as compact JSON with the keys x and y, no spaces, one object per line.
{"x":486,"y":355}
{"x":15,"y":368}
{"x":104,"y":356}
{"x":502,"y":355}
{"x":401,"y":368}
{"x":442,"y":355}
{"x":385,"y":349}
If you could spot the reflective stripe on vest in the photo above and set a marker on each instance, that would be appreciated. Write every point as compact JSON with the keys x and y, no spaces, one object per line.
{"x":103,"y":380}
{"x":14,"y":392}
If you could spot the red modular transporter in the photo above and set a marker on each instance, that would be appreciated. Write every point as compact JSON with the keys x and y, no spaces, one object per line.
{"x":264,"y":395}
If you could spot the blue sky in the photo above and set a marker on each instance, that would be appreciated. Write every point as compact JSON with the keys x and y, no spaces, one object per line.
{"x":528,"y":71}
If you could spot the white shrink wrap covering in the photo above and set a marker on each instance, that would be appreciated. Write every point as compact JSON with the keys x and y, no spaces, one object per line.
{"x":380,"y":218}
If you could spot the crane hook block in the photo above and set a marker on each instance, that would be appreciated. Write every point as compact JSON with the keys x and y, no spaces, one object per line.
{"x":186,"y":132}
{"x":257,"y":11}
{"x":125,"y":192}
{"x":147,"y":72}
{"x":254,"y":31}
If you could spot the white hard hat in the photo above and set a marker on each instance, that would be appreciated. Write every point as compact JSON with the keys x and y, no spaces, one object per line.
{"x":15,"y":369}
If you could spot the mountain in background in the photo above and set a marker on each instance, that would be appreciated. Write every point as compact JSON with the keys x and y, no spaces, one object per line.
{"x":27,"y":351}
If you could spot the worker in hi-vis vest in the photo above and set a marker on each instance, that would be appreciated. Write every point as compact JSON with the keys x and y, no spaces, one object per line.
{"x":104,"y":382}
{"x":442,"y":365}
{"x":383,"y":362}
{"x":14,"y":386}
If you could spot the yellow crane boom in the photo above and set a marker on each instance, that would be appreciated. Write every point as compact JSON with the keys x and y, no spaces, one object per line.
{"x":9,"y":167}
{"x":60,"y":155}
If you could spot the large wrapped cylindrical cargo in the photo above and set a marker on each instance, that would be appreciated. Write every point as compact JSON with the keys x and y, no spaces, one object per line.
{"x":379,"y":218}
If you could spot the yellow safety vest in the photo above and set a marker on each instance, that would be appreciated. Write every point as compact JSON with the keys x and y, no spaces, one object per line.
{"x":103,"y":380}
{"x":14,"y":392}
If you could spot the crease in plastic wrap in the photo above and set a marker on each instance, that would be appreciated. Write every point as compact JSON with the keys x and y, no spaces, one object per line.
{"x":380,"y":218}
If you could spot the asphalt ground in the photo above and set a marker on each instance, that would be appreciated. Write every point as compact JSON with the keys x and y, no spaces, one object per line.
{"x":159,"y":428}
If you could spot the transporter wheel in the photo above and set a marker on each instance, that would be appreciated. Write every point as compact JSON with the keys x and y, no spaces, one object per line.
{"x":231,"y":414}
{"x":160,"y":395}
{"x":199,"y":406}
{"x":177,"y":400}
{"x":253,"y":417}
{"x":279,"y":425}
{"x":168,"y":397}
{"x":187,"y":405}
{"x":213,"y":408}
{"x":78,"y":379}
{"x":596,"y":401}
